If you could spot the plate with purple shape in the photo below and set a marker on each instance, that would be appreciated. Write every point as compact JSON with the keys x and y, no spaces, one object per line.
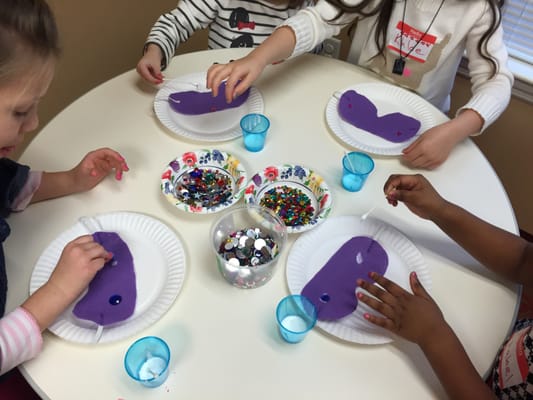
{"x":378,"y":118}
{"x":159,"y":272}
{"x":204,"y":181}
{"x":345,"y":242}
{"x":186,"y":107}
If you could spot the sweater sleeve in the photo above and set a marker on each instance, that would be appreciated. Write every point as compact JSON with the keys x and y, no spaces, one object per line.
{"x":24,"y":197}
{"x":313,"y":25}
{"x":20,"y":339}
{"x":178,"y":25}
{"x":490,"y":95}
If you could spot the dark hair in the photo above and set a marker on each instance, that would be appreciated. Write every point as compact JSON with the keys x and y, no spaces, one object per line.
{"x":383,"y":9}
{"x":29,"y":26}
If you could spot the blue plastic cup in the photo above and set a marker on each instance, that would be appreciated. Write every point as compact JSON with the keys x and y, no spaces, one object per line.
{"x":356,"y":167}
{"x":147,"y":361}
{"x":254,"y":129}
{"x":296,"y":316}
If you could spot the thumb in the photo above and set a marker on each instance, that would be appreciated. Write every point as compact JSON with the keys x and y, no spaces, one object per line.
{"x":416,"y":286}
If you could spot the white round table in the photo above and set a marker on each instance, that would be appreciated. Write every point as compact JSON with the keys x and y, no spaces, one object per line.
{"x":224,"y":340}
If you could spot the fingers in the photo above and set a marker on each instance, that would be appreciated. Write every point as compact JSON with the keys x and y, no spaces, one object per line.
{"x":105,"y":160}
{"x":215,"y":75}
{"x":416,"y":286}
{"x":385,"y":297}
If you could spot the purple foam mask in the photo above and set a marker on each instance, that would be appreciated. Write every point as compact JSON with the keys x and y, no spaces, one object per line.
{"x":196,"y":103}
{"x":359,"y":111}
{"x":332,"y":289}
{"x":112,"y":294}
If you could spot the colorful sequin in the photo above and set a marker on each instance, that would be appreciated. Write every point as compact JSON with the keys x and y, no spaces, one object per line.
{"x":204,"y":187}
{"x":291,"y":204}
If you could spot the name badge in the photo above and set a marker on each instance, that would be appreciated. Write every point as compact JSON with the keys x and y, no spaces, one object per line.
{"x":413,"y":41}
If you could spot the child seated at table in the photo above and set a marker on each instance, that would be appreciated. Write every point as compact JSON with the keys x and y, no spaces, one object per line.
{"x":417,"y":317}
{"x":414,"y":44}
{"x":28,"y":54}
{"x":231,"y":24}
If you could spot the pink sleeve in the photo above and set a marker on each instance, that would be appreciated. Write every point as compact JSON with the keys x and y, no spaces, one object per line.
{"x":25,"y":195}
{"x":20,"y":339}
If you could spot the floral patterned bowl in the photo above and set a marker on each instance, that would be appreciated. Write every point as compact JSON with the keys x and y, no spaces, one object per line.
{"x":298,"y":195}
{"x":203,"y":181}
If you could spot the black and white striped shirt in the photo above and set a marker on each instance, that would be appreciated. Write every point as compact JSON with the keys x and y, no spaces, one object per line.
{"x":232,"y":23}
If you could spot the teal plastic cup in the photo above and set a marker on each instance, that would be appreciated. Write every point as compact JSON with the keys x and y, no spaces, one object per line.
{"x":296,"y":316}
{"x":254,"y":129}
{"x":356,"y":167}
{"x":147,"y":361}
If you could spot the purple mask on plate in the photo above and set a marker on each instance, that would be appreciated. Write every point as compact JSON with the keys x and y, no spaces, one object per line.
{"x":112,"y":294}
{"x":196,"y":103}
{"x":332,"y":289}
{"x":359,"y":111}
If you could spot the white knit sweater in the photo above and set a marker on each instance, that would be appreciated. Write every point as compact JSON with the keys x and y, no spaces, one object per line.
{"x":456,"y":30}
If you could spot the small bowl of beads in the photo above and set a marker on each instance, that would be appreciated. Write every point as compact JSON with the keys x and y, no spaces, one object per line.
{"x":298,"y":195}
{"x":248,"y":241}
{"x":203,"y":181}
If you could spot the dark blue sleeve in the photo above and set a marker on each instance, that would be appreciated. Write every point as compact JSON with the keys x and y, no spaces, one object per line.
{"x":13,"y":177}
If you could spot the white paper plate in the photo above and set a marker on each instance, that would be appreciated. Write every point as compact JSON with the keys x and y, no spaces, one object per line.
{"x":313,"y":249}
{"x":159,"y":260}
{"x":387,"y":99}
{"x":212,"y":127}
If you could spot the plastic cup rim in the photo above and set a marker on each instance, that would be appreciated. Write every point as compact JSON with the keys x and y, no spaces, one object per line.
{"x":346,"y":164}
{"x":308,"y":301}
{"x":262,"y":116}
{"x":130,"y":348}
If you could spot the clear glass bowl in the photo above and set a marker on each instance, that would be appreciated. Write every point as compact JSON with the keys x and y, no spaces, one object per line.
{"x":247,"y":242}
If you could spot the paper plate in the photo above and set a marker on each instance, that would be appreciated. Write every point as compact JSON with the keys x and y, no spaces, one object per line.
{"x":211,"y":127}
{"x":293,"y":179}
{"x":387,"y":99}
{"x":222,"y":173}
{"x":159,"y":260}
{"x":312,"y":250}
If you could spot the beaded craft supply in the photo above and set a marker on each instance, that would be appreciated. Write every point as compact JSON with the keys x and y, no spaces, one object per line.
{"x":203,"y":187}
{"x":291,"y":204}
{"x":296,"y":194}
{"x":248,"y":247}
{"x":203,"y":181}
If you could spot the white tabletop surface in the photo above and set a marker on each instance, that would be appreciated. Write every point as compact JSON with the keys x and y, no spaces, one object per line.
{"x":224,"y":340}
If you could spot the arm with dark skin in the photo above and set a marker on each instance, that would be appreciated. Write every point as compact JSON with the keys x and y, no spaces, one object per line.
{"x":500,"y":251}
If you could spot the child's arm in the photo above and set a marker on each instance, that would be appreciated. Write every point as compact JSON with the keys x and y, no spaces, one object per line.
{"x":92,"y":169}
{"x":434,"y":146}
{"x":500,"y":251}
{"x":417,"y":318}
{"x":243,"y":72}
{"x":80,"y":260}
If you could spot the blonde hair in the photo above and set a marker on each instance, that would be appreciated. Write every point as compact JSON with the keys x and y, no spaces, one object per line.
{"x":28,"y":35}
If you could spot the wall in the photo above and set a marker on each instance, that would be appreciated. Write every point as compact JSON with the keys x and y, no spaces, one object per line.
{"x":103,"y":38}
{"x":508,"y":145}
{"x":100,"y":39}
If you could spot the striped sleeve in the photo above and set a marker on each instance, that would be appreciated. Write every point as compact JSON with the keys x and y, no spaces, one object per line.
{"x":20,"y":339}
{"x":178,"y":25}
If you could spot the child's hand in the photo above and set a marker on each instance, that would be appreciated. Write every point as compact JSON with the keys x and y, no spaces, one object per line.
{"x":95,"y":166}
{"x":149,"y":66}
{"x":240,"y":75}
{"x":80,"y":260}
{"x":415,"y":317}
{"x":416,"y":193}
{"x":432,"y":148}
